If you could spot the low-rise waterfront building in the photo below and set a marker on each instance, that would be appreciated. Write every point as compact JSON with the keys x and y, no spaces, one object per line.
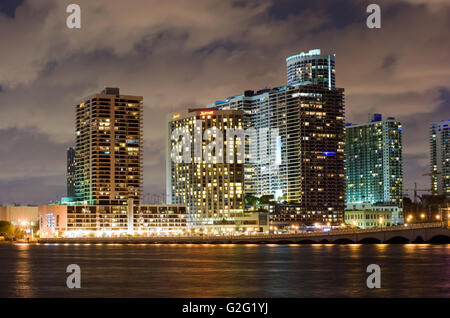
{"x":445,"y":215}
{"x":396,"y":211}
{"x":19,"y":215}
{"x":366,"y":215}
{"x":111,"y":220}
{"x":285,"y":216}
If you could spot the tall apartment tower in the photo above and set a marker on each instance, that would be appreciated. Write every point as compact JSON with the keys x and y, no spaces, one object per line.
{"x":71,"y":172}
{"x":300,"y":146}
{"x":108,"y":150}
{"x":374,"y":169}
{"x":440,"y":158}
{"x":311,"y":68}
{"x":211,"y":186}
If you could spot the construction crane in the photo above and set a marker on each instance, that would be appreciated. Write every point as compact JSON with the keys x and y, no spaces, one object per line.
{"x":415,"y":192}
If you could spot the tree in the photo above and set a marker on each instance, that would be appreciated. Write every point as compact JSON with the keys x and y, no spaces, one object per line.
{"x":283,"y":198}
{"x":266,"y":199}
{"x":251,"y":200}
{"x":18,"y":233}
{"x":6,"y":229}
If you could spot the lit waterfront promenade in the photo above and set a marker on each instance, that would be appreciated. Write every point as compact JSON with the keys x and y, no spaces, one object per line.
{"x":418,"y":233}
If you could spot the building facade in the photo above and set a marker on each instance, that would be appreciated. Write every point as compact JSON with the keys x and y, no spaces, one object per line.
{"x":111,"y":220}
{"x":108,"y":150}
{"x":299,"y":146}
{"x":440,"y":158}
{"x":18,"y":215}
{"x":311,"y":67}
{"x":374,"y":166}
{"x":368,"y":219}
{"x":396,"y":212}
{"x":71,"y":172}
{"x":284,"y":216}
{"x":210,"y":185}
{"x":445,"y":212}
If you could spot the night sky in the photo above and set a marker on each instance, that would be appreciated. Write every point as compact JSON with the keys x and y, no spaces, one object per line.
{"x":181,"y":54}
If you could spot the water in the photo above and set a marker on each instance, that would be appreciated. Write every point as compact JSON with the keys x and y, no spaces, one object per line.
{"x":412,"y":270}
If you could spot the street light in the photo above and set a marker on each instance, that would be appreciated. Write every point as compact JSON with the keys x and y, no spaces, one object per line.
{"x":381,"y":221}
{"x":293,"y":227}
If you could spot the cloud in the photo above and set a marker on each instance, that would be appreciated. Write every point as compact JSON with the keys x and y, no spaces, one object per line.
{"x":180,"y":54}
{"x":8,"y":7}
{"x":27,"y":153}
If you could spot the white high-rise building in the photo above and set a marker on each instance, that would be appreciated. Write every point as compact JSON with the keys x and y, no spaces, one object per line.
{"x":303,"y":163}
{"x":311,"y":67}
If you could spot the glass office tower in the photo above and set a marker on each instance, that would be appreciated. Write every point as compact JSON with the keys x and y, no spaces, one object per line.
{"x":374,"y":171}
{"x":440,"y":157}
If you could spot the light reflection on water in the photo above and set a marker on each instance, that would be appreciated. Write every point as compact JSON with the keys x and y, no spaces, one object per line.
{"x":23,"y":275}
{"x":229,"y":270}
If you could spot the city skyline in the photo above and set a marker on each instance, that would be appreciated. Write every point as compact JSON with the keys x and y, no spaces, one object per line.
{"x":170,"y":67}
{"x":224,"y":157}
{"x":304,"y":160}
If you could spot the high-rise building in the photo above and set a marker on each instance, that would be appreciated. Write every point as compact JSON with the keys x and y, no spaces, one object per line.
{"x":108,"y":149}
{"x":71,"y":172}
{"x":211,"y":187}
{"x":300,"y":147}
{"x":374,"y":171}
{"x":311,"y":68}
{"x":440,"y":158}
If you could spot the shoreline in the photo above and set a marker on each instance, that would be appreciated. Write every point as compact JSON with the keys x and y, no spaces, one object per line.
{"x":433,"y":234}
{"x":112,"y":243}
{"x":199,"y":242}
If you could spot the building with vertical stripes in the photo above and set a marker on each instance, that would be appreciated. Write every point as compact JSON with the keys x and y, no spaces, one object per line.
{"x":108,"y":151}
{"x":300,"y":146}
{"x":71,"y":172}
{"x":311,"y":67}
{"x":211,"y":188}
{"x":374,"y":165}
{"x":440,"y":158}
